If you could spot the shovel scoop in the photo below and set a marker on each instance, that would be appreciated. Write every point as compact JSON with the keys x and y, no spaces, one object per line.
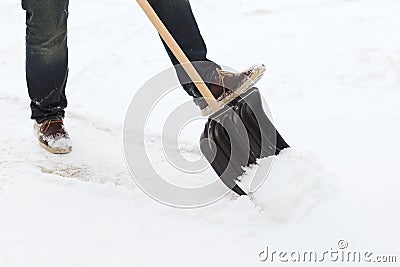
{"x":237,"y":135}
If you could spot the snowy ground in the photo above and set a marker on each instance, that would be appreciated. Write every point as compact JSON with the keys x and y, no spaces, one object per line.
{"x":333,"y":87}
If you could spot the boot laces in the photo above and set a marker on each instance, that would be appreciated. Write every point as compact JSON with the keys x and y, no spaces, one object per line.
{"x":46,"y":125}
{"x":223,"y":74}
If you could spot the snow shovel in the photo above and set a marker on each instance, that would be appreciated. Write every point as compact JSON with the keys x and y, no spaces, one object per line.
{"x":235,"y":135}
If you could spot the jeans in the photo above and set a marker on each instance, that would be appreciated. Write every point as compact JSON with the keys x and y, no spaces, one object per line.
{"x":47,"y":51}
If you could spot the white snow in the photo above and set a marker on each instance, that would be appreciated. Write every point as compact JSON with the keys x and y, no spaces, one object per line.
{"x":332,"y":83}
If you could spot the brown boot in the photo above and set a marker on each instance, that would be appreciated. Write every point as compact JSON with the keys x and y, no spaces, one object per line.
{"x":229,"y":85}
{"x":53,"y":137}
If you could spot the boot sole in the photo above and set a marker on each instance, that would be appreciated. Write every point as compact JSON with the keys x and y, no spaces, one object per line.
{"x":55,"y":150}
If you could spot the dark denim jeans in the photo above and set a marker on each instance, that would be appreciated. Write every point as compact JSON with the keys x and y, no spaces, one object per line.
{"x":47,"y":51}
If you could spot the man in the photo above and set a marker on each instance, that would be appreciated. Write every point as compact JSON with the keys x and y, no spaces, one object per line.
{"x":47,"y":64}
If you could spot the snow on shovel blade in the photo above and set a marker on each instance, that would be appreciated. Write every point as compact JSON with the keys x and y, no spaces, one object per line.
{"x":237,"y":135}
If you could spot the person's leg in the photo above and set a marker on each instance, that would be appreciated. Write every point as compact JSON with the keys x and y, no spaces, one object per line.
{"x":178,"y":17}
{"x":46,"y":57}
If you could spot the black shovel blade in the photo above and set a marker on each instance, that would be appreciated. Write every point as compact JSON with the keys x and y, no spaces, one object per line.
{"x":238,"y":135}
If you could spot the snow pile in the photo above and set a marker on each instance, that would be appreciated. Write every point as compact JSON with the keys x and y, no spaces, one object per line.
{"x":296,"y":182}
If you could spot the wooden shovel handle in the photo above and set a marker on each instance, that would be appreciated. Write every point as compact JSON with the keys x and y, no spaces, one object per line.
{"x":179,"y":54}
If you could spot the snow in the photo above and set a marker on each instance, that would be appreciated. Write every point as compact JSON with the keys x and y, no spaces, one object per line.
{"x":332,"y":85}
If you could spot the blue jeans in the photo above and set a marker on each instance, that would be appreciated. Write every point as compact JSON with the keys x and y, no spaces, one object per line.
{"x":47,"y":51}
